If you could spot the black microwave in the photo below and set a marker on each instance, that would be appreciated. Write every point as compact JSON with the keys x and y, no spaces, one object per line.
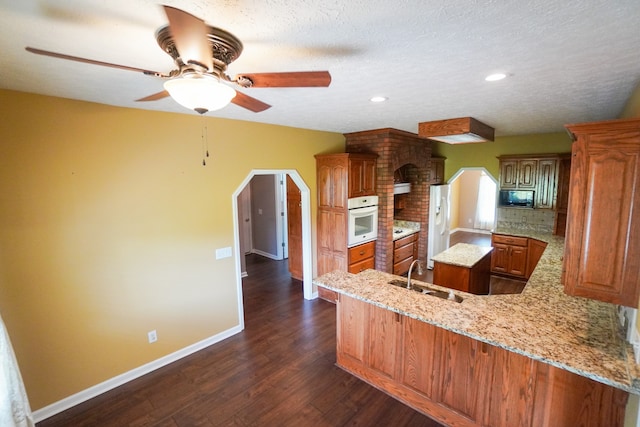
{"x":516,"y":198}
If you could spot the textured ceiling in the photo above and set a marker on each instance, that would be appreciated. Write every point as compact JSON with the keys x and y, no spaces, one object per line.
{"x":568,"y":61}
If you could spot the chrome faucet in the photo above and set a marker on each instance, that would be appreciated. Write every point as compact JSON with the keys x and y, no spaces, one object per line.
{"x":410,"y":269}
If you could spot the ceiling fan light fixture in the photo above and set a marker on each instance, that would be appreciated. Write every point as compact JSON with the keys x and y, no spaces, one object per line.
{"x":200,"y":92}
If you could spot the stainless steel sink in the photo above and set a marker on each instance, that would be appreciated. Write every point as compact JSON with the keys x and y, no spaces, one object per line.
{"x":426,"y":290}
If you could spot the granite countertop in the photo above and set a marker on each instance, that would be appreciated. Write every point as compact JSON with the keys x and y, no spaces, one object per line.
{"x":463,"y":255}
{"x":577,"y":334}
{"x":404,"y":228}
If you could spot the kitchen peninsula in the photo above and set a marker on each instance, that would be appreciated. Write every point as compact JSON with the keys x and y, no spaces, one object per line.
{"x":539,"y":358}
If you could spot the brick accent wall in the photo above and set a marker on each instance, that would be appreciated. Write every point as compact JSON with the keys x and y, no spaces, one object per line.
{"x":395,"y":149}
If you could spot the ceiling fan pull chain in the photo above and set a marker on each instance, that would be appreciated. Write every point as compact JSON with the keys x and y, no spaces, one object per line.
{"x":203,"y":137}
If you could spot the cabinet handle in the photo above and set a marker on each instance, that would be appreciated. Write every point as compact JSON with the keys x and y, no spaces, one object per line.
{"x":361,"y":252}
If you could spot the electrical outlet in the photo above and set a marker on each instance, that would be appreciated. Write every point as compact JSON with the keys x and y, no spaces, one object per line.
{"x":152,"y":336}
{"x":223,"y":252}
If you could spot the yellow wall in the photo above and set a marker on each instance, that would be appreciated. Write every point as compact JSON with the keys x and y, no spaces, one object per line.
{"x":485,"y":154}
{"x":108,"y":229}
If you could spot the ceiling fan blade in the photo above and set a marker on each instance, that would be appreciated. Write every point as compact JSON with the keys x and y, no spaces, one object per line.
{"x":250,"y":103}
{"x":154,"y":97}
{"x":190,"y":36}
{"x":293,"y":79}
{"x":91,"y":61}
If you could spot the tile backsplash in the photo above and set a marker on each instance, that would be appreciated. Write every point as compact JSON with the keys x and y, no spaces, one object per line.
{"x":540,"y":220}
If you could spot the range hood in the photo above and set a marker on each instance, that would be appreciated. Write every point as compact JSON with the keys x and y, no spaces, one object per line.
{"x":463,"y":130}
{"x":401,"y":188}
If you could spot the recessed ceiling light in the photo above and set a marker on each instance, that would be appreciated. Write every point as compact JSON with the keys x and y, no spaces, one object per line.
{"x":378,"y":98}
{"x":495,"y":77}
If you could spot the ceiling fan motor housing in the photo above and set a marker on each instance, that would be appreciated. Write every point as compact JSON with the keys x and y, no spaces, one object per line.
{"x":225,"y":48}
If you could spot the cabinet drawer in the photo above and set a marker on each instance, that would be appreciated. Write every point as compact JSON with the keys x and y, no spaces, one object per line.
{"x":400,"y":268}
{"x":509,"y":240}
{"x":403,"y":252}
{"x":405,"y":241}
{"x":357,"y":267}
{"x":361,"y":252}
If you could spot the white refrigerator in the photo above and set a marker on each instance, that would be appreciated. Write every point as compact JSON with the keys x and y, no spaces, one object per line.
{"x":438,"y":221}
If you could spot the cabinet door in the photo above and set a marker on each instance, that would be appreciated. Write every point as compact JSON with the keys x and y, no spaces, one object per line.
{"x":352,"y":329}
{"x":362,"y":177}
{"x":325,"y":185}
{"x":508,"y":174}
{"x":369,"y":177}
{"x":510,"y":394}
{"x":436,"y":171}
{"x":566,"y":399}
{"x":527,"y":174}
{"x":419,"y":347}
{"x":547,"y":183}
{"x":385,"y":333}
{"x":518,"y":260}
{"x":602,"y":249}
{"x":332,"y":183}
{"x":500,"y":258}
{"x":332,"y":241}
{"x":463,"y":374}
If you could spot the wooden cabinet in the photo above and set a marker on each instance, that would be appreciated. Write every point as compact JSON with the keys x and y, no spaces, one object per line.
{"x":537,"y":173}
{"x":459,"y":381}
{"x":562,"y":202}
{"x":362,"y":257}
{"x":515,"y":256}
{"x":473,"y":279}
{"x":518,"y":174}
{"x":463,"y":374}
{"x":362,"y":176}
{"x":602,"y":246}
{"x":405,"y":251}
{"x":534,"y":253}
{"x":509,"y":255}
{"x":339,"y":177}
{"x":546,"y":187}
{"x":436,"y":170}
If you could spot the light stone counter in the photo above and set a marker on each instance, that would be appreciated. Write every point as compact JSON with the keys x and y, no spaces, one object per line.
{"x":577,"y":334}
{"x":463,"y":254}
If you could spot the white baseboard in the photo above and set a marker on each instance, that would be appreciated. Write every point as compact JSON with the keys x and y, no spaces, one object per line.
{"x":470,"y":230}
{"x":265,"y":254}
{"x":91,"y":392}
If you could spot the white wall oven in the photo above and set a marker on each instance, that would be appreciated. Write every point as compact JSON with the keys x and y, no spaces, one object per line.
{"x":363,"y":220}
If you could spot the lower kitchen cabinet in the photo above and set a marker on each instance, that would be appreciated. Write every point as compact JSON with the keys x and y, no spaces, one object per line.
{"x":362,"y":257}
{"x":405,"y":251}
{"x":509,"y":255}
{"x":459,"y":381}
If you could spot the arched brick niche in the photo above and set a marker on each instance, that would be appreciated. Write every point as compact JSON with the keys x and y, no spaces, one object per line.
{"x":395,"y":149}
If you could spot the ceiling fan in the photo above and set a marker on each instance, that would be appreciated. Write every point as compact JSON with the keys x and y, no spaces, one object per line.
{"x":202,"y":54}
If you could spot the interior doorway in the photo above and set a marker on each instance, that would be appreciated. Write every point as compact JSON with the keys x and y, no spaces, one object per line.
{"x":305,"y":230}
{"x":473,"y":200}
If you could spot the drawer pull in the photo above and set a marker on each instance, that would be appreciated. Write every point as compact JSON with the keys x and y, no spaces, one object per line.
{"x":361,"y":252}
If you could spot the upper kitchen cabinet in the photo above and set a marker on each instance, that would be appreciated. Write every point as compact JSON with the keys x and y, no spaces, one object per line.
{"x":362,"y":175}
{"x":602,"y":246}
{"x":344,"y":175}
{"x":517,"y":173}
{"x":436,"y":170}
{"x":535,"y":173}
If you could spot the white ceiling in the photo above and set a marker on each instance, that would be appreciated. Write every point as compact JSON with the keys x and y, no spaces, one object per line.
{"x":568,"y":60}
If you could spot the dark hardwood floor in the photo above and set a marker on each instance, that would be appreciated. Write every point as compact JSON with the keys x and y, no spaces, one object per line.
{"x":280,"y":371}
{"x":498,"y":285}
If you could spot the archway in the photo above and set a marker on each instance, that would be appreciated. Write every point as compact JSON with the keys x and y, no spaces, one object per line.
{"x":307,"y":285}
{"x":467,"y":221}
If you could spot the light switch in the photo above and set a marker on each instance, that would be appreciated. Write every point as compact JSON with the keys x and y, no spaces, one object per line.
{"x":223,"y":252}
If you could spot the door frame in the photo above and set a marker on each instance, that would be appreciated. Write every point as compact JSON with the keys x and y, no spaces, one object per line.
{"x":307,"y":273}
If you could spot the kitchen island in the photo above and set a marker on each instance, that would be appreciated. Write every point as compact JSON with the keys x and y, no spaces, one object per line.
{"x":536,"y":358}
{"x":464,"y":267}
